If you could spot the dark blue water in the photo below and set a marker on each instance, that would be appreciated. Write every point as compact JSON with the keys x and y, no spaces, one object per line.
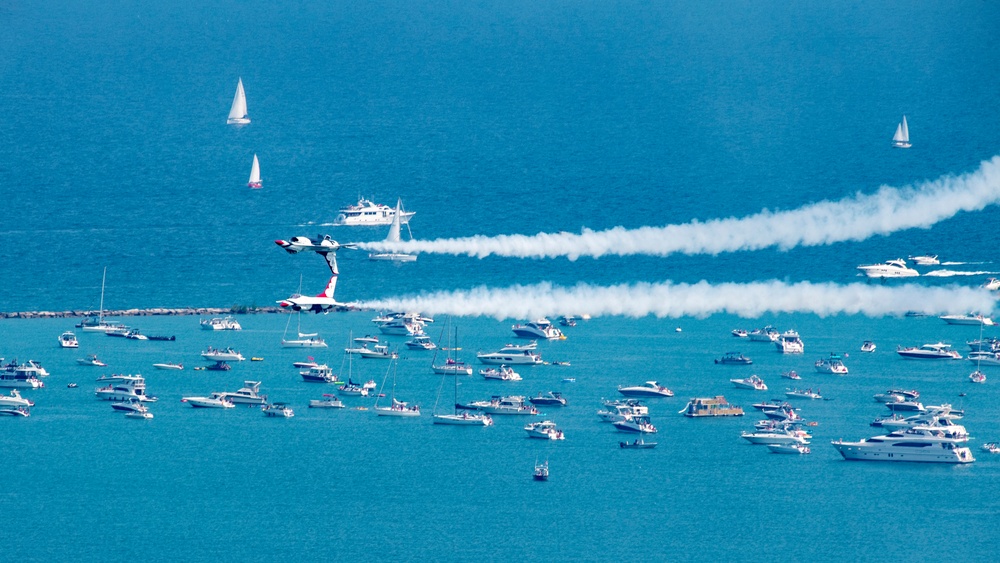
{"x":486,"y":118}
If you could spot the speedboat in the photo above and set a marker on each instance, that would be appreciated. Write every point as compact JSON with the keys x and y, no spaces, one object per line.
{"x":567,"y":320}
{"x":833,"y":365}
{"x":451,"y":366}
{"x":985,"y":358}
{"x":912,"y":444}
{"x":734,"y":359}
{"x":15,"y":411}
{"x":143,"y":415}
{"x":991,"y":447}
{"x":766,"y":334}
{"x":132,"y":405}
{"x":739,"y":333}
{"x":224,"y":323}
{"x":68,"y":340}
{"x":777,"y":435}
{"x":783,"y":414}
{"x":379,"y":352}
{"x":988,"y":344}
{"x":541,"y":472}
{"x":977,"y":377}
{"x":541,"y":328}
{"x":123,"y":388}
{"x":318,"y":374}
{"x":247,"y":395}
{"x":967,"y":319}
{"x":504,"y":373}
{"x":640,"y":424}
{"x":803,"y":394}
{"x":897,"y":395}
{"x":889,"y":269}
{"x":134,"y":334}
{"x":215,"y":401}
{"x":509,"y":404}
{"x":220,"y":355}
{"x":924,"y":260}
{"x":306,"y":365}
{"x":368,"y":338}
{"x":168,"y":365}
{"x":650,"y":389}
{"x":637,"y":444}
{"x":91,"y":360}
{"x":789,"y":448}
{"x":327,"y":402}
{"x":218,"y":366}
{"x":939,"y":351}
{"x":368,"y":214}
{"x":868,"y":346}
{"x":753,"y":382}
{"x":278,"y":410}
{"x":352,"y":389}
{"x":791,"y":375}
{"x":14,"y":400}
{"x":545,"y":430}
{"x":550,"y":398}
{"x":790,"y":343}
{"x":421,"y":342}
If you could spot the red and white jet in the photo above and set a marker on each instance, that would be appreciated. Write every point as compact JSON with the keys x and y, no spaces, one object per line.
{"x":327,"y":248}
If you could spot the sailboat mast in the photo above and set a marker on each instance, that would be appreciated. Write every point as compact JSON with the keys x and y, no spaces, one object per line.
{"x":104,"y":277}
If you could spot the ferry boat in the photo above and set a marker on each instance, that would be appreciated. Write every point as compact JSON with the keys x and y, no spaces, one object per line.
{"x":705,"y":406}
{"x":368,"y":214}
{"x":223,"y":323}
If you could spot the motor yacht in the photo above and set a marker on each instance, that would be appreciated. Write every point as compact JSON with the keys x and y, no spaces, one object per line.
{"x":710,"y":406}
{"x":544,"y":430}
{"x":15,"y":411}
{"x":30,"y":368}
{"x":91,"y":360}
{"x":765,"y":334}
{"x":790,"y":343}
{"x":502,"y":405}
{"x":803,"y":394}
{"x":379,"y":352}
{"x":753,"y":382}
{"x":734,"y":359}
{"x":925,"y":260}
{"x":897,"y":395}
{"x":649,"y":389}
{"x":328,"y":401}
{"x":503,"y":373}
{"x":215,"y":401}
{"x":789,"y":448}
{"x":421,"y":342}
{"x":541,"y":328}
{"x":249,"y":394}
{"x":939,"y":351}
{"x":906,"y":406}
{"x":223,"y":323}
{"x":68,"y":340}
{"x":16,"y":378}
{"x":985,"y":358}
{"x":409,"y":324}
{"x":132,"y":405}
{"x":14,"y":400}
{"x":123,"y":388}
{"x":118,"y":331}
{"x":639,"y":424}
{"x":134,"y":334}
{"x":912,"y":444}
{"x":222,"y":355}
{"x":305,"y":365}
{"x":550,"y":398}
{"x":967,"y":319}
{"x":833,"y":365}
{"x":368,"y":214}
{"x":868,"y":346}
{"x":777,"y":435}
{"x":616,"y":411}
{"x":278,"y":410}
{"x":784,"y":413}
{"x":988,"y":344}
{"x":511,"y":355}
{"x":169,"y":366}
{"x":318,"y":374}
{"x":889,"y":269}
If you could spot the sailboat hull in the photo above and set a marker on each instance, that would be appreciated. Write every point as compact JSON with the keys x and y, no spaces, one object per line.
{"x":462,"y":420}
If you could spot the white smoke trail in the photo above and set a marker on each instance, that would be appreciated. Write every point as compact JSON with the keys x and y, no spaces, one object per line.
{"x":852,"y":219}
{"x":696,"y":300}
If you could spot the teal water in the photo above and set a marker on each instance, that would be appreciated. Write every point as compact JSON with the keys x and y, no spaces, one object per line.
{"x":486,"y":118}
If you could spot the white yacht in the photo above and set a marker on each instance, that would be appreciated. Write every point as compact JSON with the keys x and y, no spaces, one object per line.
{"x":889,"y":269}
{"x":912,"y":444}
{"x":399,"y":409}
{"x":638,"y":424}
{"x":91,"y":360}
{"x":777,"y":434}
{"x":512,"y":355}
{"x":407,"y":325}
{"x":421,"y":342}
{"x":17,"y":378}
{"x":278,"y":410}
{"x":897,"y":396}
{"x":541,"y":328}
{"x":833,"y":365}
{"x":765,"y":334}
{"x":249,"y":394}
{"x":803,"y":394}
{"x":925,"y":260}
{"x":544,"y":430}
{"x":452,"y":366}
{"x":504,"y":373}
{"x":368,"y":214}
{"x":868,"y":346}
{"x":615,"y":411}
{"x":327,"y":402}
{"x":649,"y":389}
{"x":939,"y":351}
{"x":215,"y":401}
{"x":169,"y":366}
{"x":464,"y":418}
{"x":985,"y":358}
{"x":753,"y":382}
{"x":510,"y":404}
{"x":967,"y":319}
{"x":789,"y":448}
{"x":68,"y":340}
{"x":14,"y":400}
{"x":790,"y":343}
{"x":318,"y":374}
{"x":221,"y":323}
{"x":222,"y":355}
{"x":379,"y":352}
{"x":123,"y":388}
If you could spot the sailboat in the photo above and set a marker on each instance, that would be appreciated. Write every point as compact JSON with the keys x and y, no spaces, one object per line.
{"x":460,"y":417}
{"x":305,"y":340}
{"x":238,"y":113}
{"x":901,"y":140}
{"x":451,"y":366}
{"x":254,"y":181}
{"x":394,"y":237}
{"x":978,"y":376}
{"x":99,"y":325}
{"x":396,"y":407}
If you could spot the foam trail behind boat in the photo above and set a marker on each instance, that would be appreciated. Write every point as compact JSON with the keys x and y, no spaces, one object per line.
{"x":701,"y":299}
{"x":856,"y":218}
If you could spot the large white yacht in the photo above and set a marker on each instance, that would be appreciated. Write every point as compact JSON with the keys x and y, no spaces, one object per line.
{"x":249,"y":394}
{"x":405,"y":325}
{"x":223,"y":323}
{"x":649,"y":389}
{"x":790,"y":343}
{"x":123,"y":388}
{"x":777,"y":434}
{"x":765,"y":334}
{"x":541,"y":328}
{"x":14,"y":400}
{"x":913,"y":444}
{"x":220,"y":355}
{"x":512,"y":355}
{"x":215,"y":401}
{"x":889,"y":269}
{"x":939,"y":351}
{"x":367,"y":214}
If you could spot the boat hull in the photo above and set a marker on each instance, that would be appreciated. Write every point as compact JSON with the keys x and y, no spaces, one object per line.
{"x":460,"y":420}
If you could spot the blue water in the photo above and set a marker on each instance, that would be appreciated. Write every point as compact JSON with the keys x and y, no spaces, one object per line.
{"x":486,"y":118}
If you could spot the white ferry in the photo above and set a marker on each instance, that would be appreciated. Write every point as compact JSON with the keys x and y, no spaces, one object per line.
{"x":367,"y":214}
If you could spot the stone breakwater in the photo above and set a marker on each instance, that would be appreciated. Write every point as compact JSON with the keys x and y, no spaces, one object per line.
{"x":159,"y":311}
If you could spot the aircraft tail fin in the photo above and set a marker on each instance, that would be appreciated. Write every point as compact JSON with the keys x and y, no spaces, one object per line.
{"x":330,"y":286}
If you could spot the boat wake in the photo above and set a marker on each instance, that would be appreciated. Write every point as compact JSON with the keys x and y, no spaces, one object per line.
{"x":856,"y":218}
{"x":668,"y":299}
{"x":963,"y":263}
{"x":952,"y":273}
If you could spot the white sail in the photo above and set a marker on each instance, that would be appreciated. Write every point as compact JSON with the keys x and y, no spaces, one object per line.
{"x":238,"y":113}
{"x":254,"y":181}
{"x":394,"y":228}
{"x":902,"y":137}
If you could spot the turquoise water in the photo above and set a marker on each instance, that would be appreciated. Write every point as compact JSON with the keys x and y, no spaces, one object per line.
{"x":486,"y":118}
